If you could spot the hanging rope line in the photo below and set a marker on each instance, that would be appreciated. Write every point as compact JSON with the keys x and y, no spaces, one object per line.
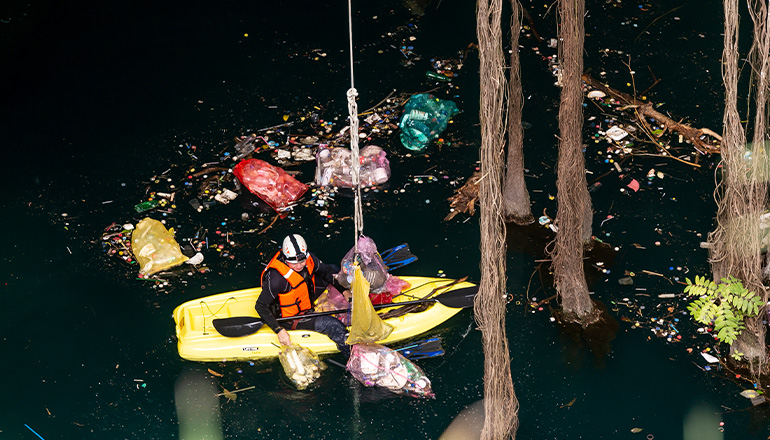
{"x":358,"y":217}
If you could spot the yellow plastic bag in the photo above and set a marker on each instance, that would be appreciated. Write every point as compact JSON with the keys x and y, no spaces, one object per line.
{"x":365,"y":324}
{"x":154,"y":247}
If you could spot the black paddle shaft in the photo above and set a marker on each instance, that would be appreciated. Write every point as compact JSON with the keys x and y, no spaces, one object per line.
{"x":246,"y":325}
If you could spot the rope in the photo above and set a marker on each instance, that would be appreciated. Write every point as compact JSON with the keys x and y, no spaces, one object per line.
{"x":358,"y":217}
{"x":350,"y":40}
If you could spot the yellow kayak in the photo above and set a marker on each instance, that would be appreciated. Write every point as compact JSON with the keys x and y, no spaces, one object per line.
{"x":198,"y":340}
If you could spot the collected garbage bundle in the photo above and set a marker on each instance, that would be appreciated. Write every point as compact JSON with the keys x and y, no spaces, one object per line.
{"x":271,"y":184}
{"x":301,"y":365}
{"x":425,"y":117}
{"x":155,"y":247}
{"x":365,"y":324}
{"x":333,"y":167}
{"x":377,"y":365}
{"x":374,"y":270}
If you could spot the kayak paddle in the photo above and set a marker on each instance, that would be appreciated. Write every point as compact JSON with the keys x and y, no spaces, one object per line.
{"x":246,"y":325}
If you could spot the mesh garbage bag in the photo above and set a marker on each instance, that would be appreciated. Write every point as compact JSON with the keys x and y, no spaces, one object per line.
{"x":365,"y":324}
{"x":154,"y":247}
{"x":425,"y":117}
{"x":376,"y":365}
{"x":301,"y":365}
{"x":271,"y":184}
{"x":333,"y":167}
{"x":372,"y":267}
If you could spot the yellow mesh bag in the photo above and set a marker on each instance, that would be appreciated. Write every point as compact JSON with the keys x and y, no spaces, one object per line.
{"x":154,"y":247}
{"x":365,"y":325}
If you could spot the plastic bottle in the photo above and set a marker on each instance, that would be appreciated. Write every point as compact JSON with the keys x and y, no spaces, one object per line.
{"x":146,"y":206}
{"x":437,"y":76}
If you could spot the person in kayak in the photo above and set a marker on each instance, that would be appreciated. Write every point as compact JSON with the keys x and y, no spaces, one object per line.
{"x":295,"y":278}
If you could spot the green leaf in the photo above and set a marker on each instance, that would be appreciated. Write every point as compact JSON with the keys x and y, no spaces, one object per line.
{"x":713,"y":309}
{"x":739,"y":302}
{"x":722,"y":333}
{"x":702,"y":314}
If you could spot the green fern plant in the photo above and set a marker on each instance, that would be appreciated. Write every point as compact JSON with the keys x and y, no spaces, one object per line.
{"x":725,"y":305}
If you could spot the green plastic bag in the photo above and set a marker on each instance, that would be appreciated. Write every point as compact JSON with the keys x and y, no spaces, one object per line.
{"x":154,"y":247}
{"x":425,"y":117}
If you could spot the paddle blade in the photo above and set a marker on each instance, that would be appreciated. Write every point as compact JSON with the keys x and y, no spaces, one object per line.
{"x":237,"y":326}
{"x":459,"y":298}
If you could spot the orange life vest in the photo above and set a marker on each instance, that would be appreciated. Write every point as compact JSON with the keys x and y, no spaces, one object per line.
{"x":297,"y":299}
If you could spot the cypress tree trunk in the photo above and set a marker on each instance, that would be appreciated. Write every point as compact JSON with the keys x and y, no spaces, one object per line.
{"x":736,"y":242}
{"x":500,"y":403}
{"x":760,"y":60}
{"x":573,"y":198}
{"x":516,"y":204}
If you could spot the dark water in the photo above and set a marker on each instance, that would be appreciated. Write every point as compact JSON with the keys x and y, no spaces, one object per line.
{"x":99,"y":98}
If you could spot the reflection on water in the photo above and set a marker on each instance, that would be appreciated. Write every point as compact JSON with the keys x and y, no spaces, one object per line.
{"x":197,"y":407}
{"x":597,"y":337}
{"x":701,"y":422}
{"x":467,"y":425}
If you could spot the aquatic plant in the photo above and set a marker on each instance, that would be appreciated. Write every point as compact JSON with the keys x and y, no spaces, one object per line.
{"x":725,"y":304}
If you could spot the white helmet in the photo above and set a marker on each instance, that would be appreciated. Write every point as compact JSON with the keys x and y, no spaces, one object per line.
{"x":294,"y":248}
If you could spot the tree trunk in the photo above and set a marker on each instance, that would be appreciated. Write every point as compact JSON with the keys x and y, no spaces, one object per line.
{"x":572,"y":189}
{"x":751,"y":341}
{"x":588,"y":217}
{"x":516,"y":204}
{"x":500,"y":403}
{"x":736,"y":241}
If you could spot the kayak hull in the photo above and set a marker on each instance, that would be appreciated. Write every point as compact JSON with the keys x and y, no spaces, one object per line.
{"x":198,"y":340}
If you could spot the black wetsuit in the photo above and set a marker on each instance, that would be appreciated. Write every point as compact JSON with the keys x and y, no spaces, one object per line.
{"x":273,"y":283}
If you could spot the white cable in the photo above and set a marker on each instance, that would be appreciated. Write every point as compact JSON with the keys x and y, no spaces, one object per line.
{"x":350,"y":39}
{"x":354,"y":158}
